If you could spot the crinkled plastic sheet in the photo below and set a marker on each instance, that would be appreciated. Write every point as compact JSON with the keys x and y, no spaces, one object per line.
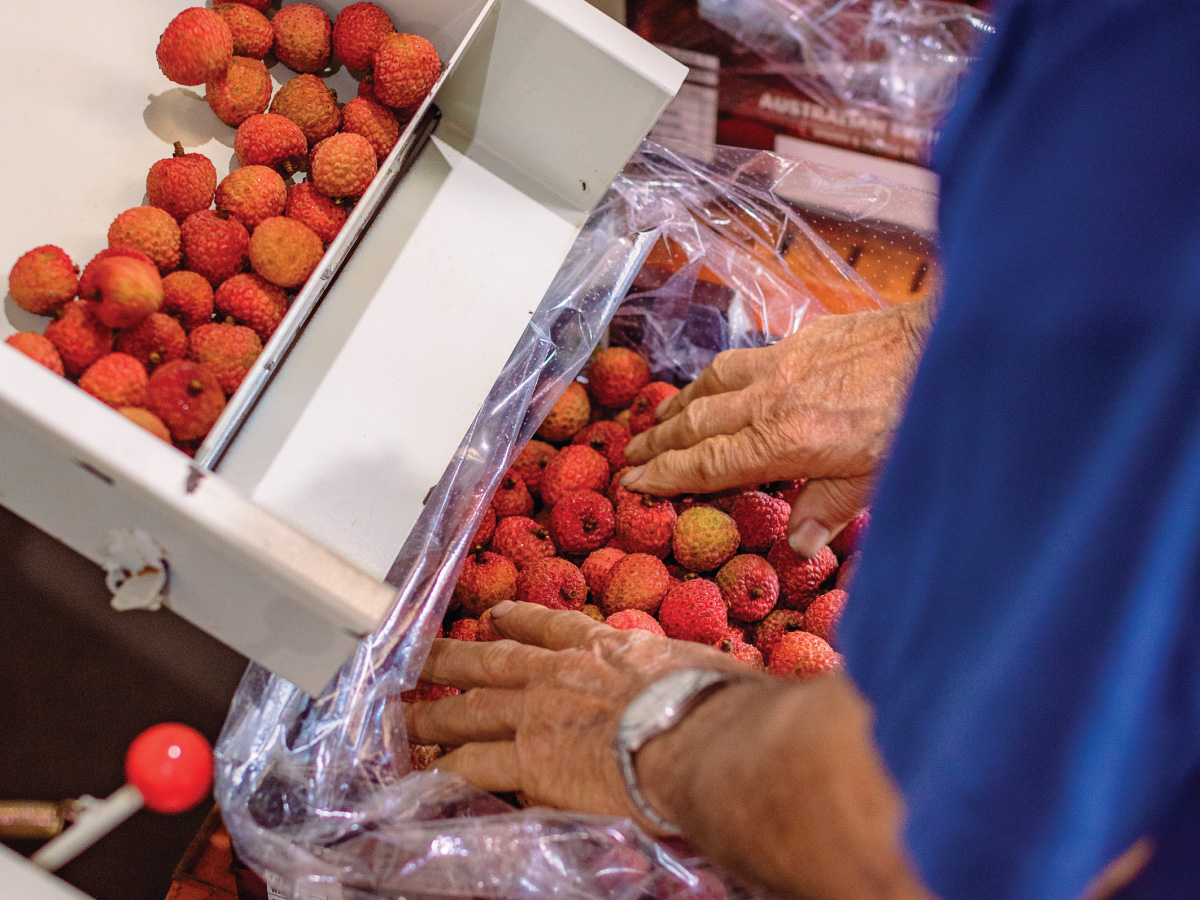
{"x":317,"y":790}
{"x":901,"y":58}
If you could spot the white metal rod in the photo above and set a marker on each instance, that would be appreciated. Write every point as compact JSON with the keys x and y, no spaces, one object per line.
{"x":91,"y":825}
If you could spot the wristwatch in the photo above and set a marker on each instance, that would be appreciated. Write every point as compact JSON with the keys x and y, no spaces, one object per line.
{"x":658,"y":709}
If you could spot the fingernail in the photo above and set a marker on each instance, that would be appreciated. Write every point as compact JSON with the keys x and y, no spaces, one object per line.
{"x":503,"y":608}
{"x":661,"y":409}
{"x":631,"y":476}
{"x":808,"y":538}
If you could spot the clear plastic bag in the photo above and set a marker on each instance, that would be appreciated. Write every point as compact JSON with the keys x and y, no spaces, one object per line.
{"x":899,"y":58}
{"x":317,"y":792}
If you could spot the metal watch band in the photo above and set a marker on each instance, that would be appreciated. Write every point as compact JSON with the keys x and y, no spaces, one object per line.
{"x":657,"y":709}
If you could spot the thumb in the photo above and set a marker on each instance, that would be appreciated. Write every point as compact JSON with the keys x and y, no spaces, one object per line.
{"x":825,"y":506}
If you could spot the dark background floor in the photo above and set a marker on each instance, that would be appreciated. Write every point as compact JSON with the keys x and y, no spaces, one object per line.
{"x":78,"y":682}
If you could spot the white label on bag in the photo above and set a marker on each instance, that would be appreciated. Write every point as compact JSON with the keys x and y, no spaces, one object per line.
{"x":278,"y":888}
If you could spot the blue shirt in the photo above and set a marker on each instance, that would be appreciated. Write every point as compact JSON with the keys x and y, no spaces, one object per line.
{"x":1026,"y":620}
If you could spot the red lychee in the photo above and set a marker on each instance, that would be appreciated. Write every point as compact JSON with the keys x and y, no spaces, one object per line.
{"x":750,"y":587}
{"x":743,"y":652}
{"x":253,"y":301}
{"x":615,"y":376}
{"x":182,"y":184}
{"x":607,"y":438}
{"x":694,"y":611}
{"x":116,"y":380}
{"x":156,"y":339}
{"x":522,"y":540}
{"x":38,"y":348}
{"x":261,"y":5}
{"x":306,"y":101}
{"x":487,"y":527}
{"x":464,"y":629}
{"x":343,"y":165}
{"x":846,"y":571}
{"x":485,"y":580}
{"x":823,"y":614}
{"x":405,"y":68}
{"x":635,"y":620}
{"x":800,"y":578}
{"x":252,"y":33}
{"x":79,"y":337}
{"x":187,"y":397}
{"x":531,"y":462}
{"x":244,"y":90}
{"x":124,"y":291}
{"x":373,"y":121}
{"x":574,"y":468}
{"x":639,"y":581}
{"x":302,"y":37}
{"x":308,"y":205}
{"x":761,"y":520}
{"x":552,"y":582}
{"x":568,"y":416}
{"x":802,"y":654}
{"x":284,"y":251}
{"x":43,"y":280}
{"x":196,"y":47}
{"x":617,"y":492}
{"x":251,"y":194}
{"x":188,"y":297}
{"x":227,"y":350}
{"x":271,"y":140}
{"x":581,"y":521}
{"x":143,"y":418}
{"x":215,"y":245}
{"x":597,"y":567}
{"x":644,"y":525}
{"x":151,"y":231}
{"x":512,"y":497}
{"x":777,"y":623}
{"x":704,"y":539}
{"x":357,"y":32}
{"x":847,"y":540}
{"x":642,"y":411}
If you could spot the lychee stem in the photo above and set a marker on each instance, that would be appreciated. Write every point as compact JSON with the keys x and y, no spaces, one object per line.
{"x":589,"y":525}
{"x":179,"y":151}
{"x":195,"y":388}
{"x":480,"y":556}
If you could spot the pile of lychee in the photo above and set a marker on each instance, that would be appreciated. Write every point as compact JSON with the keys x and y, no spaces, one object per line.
{"x":717,"y":569}
{"x":165,"y":323}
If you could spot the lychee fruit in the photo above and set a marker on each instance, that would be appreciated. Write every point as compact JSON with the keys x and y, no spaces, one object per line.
{"x":251,"y":194}
{"x":79,"y":337}
{"x":465,"y":629}
{"x":147,"y":420}
{"x":617,"y":492}
{"x":615,"y":376}
{"x":694,"y":611}
{"x":124,"y":291}
{"x":635,"y":620}
{"x":182,"y":184}
{"x":788,"y":491}
{"x":639,"y":581}
{"x":581,"y":521}
{"x":228,"y":351}
{"x":215,"y":245}
{"x":261,"y":5}
{"x":343,"y":165}
{"x":644,"y":524}
{"x":569,"y":415}
{"x":252,"y":33}
{"x":422,"y":756}
{"x":823,"y":614}
{"x":405,"y":68}
{"x":251,"y":300}
{"x":574,"y":468}
{"x":244,"y":90}
{"x":799,"y":578}
{"x":743,"y":652}
{"x":592,"y":611}
{"x":357,"y":32}
{"x":761,"y":520}
{"x":156,"y":339}
{"x":531,"y":462}
{"x":196,"y":47}
{"x":552,"y":582}
{"x":302,"y":37}
{"x":188,"y":297}
{"x":43,"y":280}
{"x":522,"y":540}
{"x":38,"y":348}
{"x":88,"y":288}
{"x":802,"y":654}
{"x":486,"y":631}
{"x":308,"y":205}
{"x":426,"y":692}
{"x":704,"y":539}
{"x":269,"y":139}
{"x":187,"y":397}
{"x":487,"y":527}
{"x":777,"y":623}
{"x":284,"y":251}
{"x":485,"y":580}
{"x":642,"y":410}
{"x":597,"y":567}
{"x":607,"y":438}
{"x":149,"y":230}
{"x":750,"y":587}
{"x":116,"y":380}
{"x":512,"y":497}
{"x":847,"y":540}
{"x":846,"y":571}
{"x":306,"y":101}
{"x":373,"y":121}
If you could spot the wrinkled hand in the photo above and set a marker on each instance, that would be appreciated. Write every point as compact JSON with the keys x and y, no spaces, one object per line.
{"x":821,"y":404}
{"x":540,"y":710}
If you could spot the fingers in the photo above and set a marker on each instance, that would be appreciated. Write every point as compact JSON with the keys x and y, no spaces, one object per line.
{"x":730,"y":370}
{"x":714,"y":464}
{"x":482,"y":714}
{"x":492,"y":766}
{"x":700,"y":419}
{"x":499,"y":664}
{"x":825,"y":506}
{"x":552,"y":629}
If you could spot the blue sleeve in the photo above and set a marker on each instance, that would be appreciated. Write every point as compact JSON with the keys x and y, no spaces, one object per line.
{"x":1026,"y":620}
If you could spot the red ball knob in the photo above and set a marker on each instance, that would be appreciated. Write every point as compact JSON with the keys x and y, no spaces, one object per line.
{"x":172,"y":765}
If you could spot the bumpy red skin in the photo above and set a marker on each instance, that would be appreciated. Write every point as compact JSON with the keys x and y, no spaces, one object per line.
{"x":343,"y":165}
{"x":639,"y":581}
{"x":357,"y":32}
{"x":592,"y":611}
{"x":373,"y":121}
{"x":79,"y":337}
{"x":597,"y":567}
{"x":486,"y":631}
{"x":848,"y":539}
{"x":143,"y":418}
{"x":116,"y":380}
{"x":750,"y":587}
{"x":306,"y":101}
{"x":554,"y":583}
{"x":37,"y":348}
{"x":522,"y":540}
{"x":309,"y":206}
{"x":581,"y":521}
{"x":761,"y":520}
{"x":704,"y":539}
{"x":823,"y":614}
{"x":607,"y":438}
{"x":799,"y":578}
{"x":252,"y":33}
{"x":644,"y":525}
{"x":187,"y":397}
{"x":270,"y":139}
{"x":617,"y":492}
{"x":487,"y":527}
{"x":157,"y":339}
{"x":251,"y":194}
{"x":464,"y":630}
{"x":574,"y":468}
{"x":125,"y":291}
{"x":228,"y":350}
{"x":214,"y":247}
{"x":788,"y":491}
{"x":615,"y":377}
{"x":569,"y":415}
{"x":284,"y":251}
{"x":485,"y":580}
{"x":634,"y":620}
{"x":189,"y":297}
{"x":774,"y":626}
{"x":182,"y":185}
{"x":641,"y":411}
{"x":802,"y":654}
{"x":424,"y":691}
{"x":846,"y":572}
{"x":743,"y":652}
{"x":694,"y":611}
{"x":261,"y":5}
{"x":512,"y":497}
{"x":252,"y":301}
{"x":151,"y":231}
{"x":244,"y":90}
{"x":196,"y":47}
{"x":43,"y":280}
{"x":531,"y":462}
{"x":405,"y":68}
{"x":89,"y":289}
{"x":303,"y":37}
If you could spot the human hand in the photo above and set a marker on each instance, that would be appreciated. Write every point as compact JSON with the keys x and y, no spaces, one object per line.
{"x":540,"y":709}
{"x":821,"y":404}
